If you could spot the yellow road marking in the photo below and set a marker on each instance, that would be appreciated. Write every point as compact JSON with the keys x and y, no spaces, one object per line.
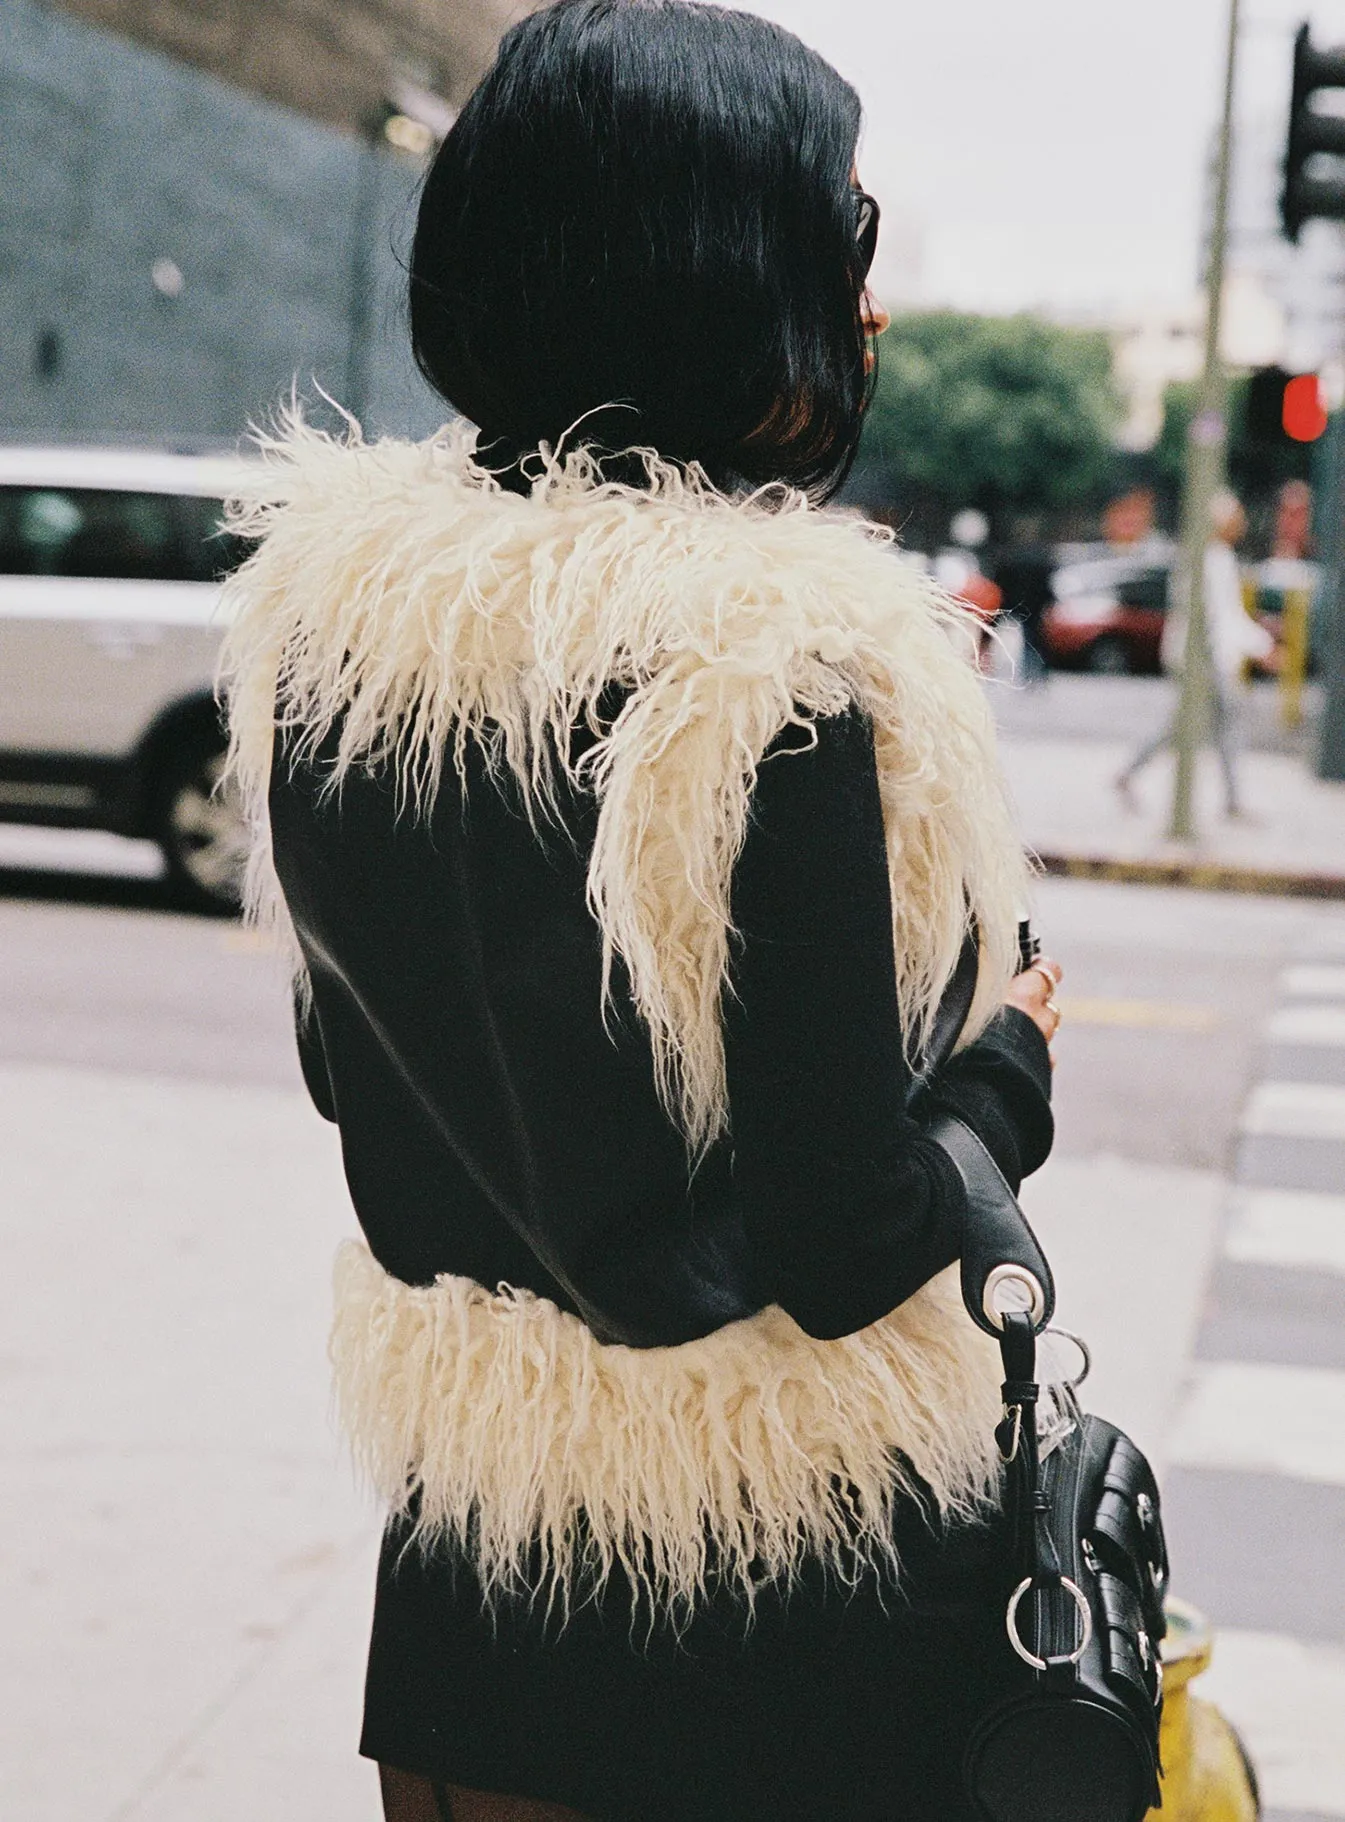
{"x":1139,"y":1015}
{"x":238,"y":939}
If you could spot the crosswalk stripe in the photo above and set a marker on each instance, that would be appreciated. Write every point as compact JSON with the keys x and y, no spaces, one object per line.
{"x":1285,"y":1696}
{"x":1286,"y":1699}
{"x":1296,"y":1110}
{"x":1307,"y":1025}
{"x":1263,"y":1419}
{"x":1287,"y":1227}
{"x":1314,"y":980}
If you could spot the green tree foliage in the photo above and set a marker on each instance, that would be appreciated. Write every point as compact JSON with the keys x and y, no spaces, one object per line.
{"x":1010,"y":414}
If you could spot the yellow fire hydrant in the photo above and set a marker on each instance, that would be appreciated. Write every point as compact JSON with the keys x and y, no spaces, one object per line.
{"x":1206,"y":1774}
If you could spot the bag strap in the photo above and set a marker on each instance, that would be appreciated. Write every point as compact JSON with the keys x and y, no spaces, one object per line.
{"x":950,"y":1015}
{"x":998,"y":1246}
{"x":1009,"y":1292}
{"x":1003,"y":1268}
{"x":1002,"y":1261}
{"x":1039,"y":1567}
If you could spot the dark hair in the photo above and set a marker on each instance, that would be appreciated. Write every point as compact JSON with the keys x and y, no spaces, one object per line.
{"x":646,"y":205}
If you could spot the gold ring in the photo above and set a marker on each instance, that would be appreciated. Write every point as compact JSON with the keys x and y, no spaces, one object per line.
{"x":1040,"y":968}
{"x":1052,"y":1007}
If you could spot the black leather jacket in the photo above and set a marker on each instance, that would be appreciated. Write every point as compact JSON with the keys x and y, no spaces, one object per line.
{"x":494,"y":1126}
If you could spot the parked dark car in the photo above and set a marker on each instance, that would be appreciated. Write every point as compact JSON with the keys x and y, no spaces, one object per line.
{"x":1108,"y":616}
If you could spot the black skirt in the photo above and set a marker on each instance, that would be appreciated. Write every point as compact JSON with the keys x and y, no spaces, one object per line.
{"x":825,"y":1703}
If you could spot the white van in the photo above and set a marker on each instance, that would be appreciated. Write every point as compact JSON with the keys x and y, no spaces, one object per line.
{"x":110,"y":563}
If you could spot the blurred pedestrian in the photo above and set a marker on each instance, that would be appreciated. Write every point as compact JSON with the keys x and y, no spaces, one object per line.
{"x":1024,"y":573}
{"x":1293,"y":522}
{"x":1233,"y":637}
{"x":1128,"y":519}
{"x":957,"y":568}
{"x":629,"y":815}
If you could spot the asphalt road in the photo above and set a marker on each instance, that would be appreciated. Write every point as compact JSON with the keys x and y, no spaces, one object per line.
{"x":187,"y":1570}
{"x":1164,"y":995}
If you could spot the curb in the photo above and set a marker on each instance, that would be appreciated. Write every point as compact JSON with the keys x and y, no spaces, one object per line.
{"x":1201,"y":875}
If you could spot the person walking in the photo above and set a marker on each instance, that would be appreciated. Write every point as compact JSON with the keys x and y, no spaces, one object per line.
{"x":627,"y":815}
{"x":1233,"y":638}
{"x":1025,"y":573}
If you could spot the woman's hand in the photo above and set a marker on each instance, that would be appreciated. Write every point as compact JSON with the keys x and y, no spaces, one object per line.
{"x":1033,"y":992}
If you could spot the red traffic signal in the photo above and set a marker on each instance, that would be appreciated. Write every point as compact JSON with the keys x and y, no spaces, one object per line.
{"x":1302,"y":412}
{"x":1284,"y":408}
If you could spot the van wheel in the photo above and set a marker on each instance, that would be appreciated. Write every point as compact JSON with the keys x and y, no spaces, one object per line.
{"x":199,"y":824}
{"x":1108,"y":657}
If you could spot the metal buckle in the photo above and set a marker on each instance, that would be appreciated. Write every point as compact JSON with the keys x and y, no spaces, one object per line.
{"x":1012,"y":1413}
{"x":1021,"y":1279}
{"x":1085,"y":1623}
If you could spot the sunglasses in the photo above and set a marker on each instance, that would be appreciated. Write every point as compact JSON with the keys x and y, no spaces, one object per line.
{"x":867,"y":216}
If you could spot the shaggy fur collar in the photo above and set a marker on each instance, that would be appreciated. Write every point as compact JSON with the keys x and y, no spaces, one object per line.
{"x":399,"y":590}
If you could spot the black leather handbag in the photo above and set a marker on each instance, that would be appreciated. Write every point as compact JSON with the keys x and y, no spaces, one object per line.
{"x":1073,"y":1734}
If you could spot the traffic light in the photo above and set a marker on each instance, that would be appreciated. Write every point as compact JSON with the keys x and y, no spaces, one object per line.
{"x":1312,"y":132}
{"x":1284,"y":409}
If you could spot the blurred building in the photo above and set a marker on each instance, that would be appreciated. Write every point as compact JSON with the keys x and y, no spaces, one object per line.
{"x":1161,"y":347}
{"x":1307,"y":281}
{"x":205,"y":205}
{"x":334,"y":60}
{"x":1152,"y":350}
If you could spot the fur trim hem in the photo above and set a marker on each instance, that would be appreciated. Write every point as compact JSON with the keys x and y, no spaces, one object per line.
{"x":527,"y":1443}
{"x":399,"y":593}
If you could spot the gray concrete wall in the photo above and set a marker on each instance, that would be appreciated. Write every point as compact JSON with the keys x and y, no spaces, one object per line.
{"x":331,"y":59}
{"x":113,"y":158}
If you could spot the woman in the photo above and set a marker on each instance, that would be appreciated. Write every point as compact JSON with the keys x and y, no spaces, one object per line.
{"x":629,"y":815}
{"x":1232,"y":637}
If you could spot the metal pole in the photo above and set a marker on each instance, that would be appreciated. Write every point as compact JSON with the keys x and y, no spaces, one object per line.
{"x":1331,"y":735}
{"x":1205,"y":449}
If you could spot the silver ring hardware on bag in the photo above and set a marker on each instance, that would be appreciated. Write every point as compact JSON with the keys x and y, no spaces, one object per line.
{"x":1144,"y":1507}
{"x":1058,"y":1410}
{"x":1022,"y":1279}
{"x":1085,"y":1355}
{"x":1013,"y":1418}
{"x":1085,"y":1623}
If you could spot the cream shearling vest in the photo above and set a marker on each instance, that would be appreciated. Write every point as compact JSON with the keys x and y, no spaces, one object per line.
{"x":399,"y":594}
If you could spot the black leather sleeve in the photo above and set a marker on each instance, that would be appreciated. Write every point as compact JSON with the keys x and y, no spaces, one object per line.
{"x":1001,"y":1087}
{"x":313,"y":1057}
{"x":848,"y":1206}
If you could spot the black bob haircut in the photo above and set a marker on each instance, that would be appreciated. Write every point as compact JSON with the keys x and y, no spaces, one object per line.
{"x":643,"y":219}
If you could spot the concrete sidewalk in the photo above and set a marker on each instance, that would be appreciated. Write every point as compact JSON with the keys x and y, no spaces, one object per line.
{"x":188,"y":1569}
{"x":1064,"y":744}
